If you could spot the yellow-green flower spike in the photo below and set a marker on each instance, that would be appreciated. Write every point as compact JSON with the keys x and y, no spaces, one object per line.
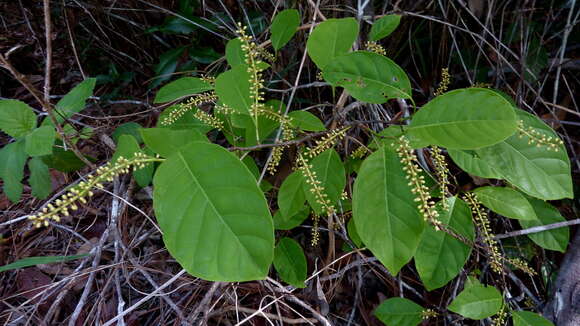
{"x":417,"y":183}
{"x":535,"y":137}
{"x":360,"y":152}
{"x":326,"y":142}
{"x":522,"y":265}
{"x":442,"y":172}
{"x":500,"y":318}
{"x":445,"y":81}
{"x":376,"y":48}
{"x":483,"y":224}
{"x":182,"y":108}
{"x":209,"y":119}
{"x":428,"y":313}
{"x":315,"y":185}
{"x":83,"y":190}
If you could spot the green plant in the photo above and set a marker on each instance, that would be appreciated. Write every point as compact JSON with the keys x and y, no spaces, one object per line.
{"x":210,"y":204}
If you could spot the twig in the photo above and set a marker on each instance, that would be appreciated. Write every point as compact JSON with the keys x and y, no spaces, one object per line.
{"x":283,"y":319}
{"x":48,"y":36}
{"x":537,"y":229}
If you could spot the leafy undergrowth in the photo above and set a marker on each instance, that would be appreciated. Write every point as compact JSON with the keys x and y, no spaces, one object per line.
{"x":106,"y":261}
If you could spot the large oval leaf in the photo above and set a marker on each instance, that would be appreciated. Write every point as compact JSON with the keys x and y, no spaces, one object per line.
{"x":330,"y":39}
{"x":506,"y":201}
{"x":477,"y":301}
{"x":332,"y":176}
{"x":531,"y":168}
{"x":399,"y":312}
{"x":384,"y":210}
{"x":291,"y":196}
{"x":214,"y":218}
{"x":466,"y":118}
{"x":555,"y":239}
{"x":165,"y":142}
{"x":440,"y":256}
{"x":368,"y":77}
{"x":185,"y":86}
{"x":284,"y":27}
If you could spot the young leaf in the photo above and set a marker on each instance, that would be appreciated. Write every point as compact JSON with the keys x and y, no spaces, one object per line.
{"x":469,"y":162}
{"x":290,"y":262}
{"x":555,"y":239}
{"x":368,"y":77}
{"x":291,"y":196}
{"x":440,"y":256}
{"x":12,"y":160}
{"x":182,"y":87}
{"x":165,"y":141}
{"x":285,"y":222}
{"x":233,"y":88}
{"x":40,"y":141}
{"x":399,"y":312}
{"x":306,"y":121}
{"x":16,"y":118}
{"x":331,"y":38}
{"x":74,"y":101}
{"x":330,"y":172}
{"x":531,"y":168}
{"x":506,"y":202}
{"x":477,"y":301}
{"x":384,"y":210}
{"x":284,"y":27}
{"x":384,"y":26}
{"x":215,"y":220}
{"x":33,"y":261}
{"x":39,"y":178}
{"x":466,"y":118}
{"x":528,"y":318}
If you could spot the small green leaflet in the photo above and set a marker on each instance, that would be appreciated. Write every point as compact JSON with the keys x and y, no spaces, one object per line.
{"x":180,"y":88}
{"x":16,"y":118}
{"x":290,"y":262}
{"x":284,"y":27}
{"x":331,"y":38}
{"x":477,"y":301}
{"x":399,"y":312}
{"x":528,"y":318}
{"x":384,"y":26}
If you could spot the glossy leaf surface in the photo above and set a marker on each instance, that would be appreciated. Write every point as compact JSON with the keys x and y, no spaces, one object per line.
{"x":399,"y":312}
{"x":284,"y":27}
{"x":331,"y":38}
{"x":290,"y":262}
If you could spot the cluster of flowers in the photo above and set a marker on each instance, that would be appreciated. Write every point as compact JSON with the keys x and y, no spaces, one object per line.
{"x":84,"y":189}
{"x":376,"y":48}
{"x":327,"y":142}
{"x":445,"y":81}
{"x":182,"y":108}
{"x":417,"y":183}
{"x":442,"y":172}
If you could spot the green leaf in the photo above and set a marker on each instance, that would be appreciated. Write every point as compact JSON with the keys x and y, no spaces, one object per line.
{"x":291,"y":196}
{"x":166,"y":66}
{"x":384,"y":210}
{"x":284,"y":222}
{"x":399,"y":312}
{"x":330,"y":172}
{"x":306,"y":121}
{"x":440,"y":257}
{"x":384,"y":26}
{"x":477,"y":301}
{"x":368,"y":77}
{"x":234,"y":53}
{"x":64,"y":161}
{"x":75,"y":100}
{"x":165,"y":141}
{"x":182,"y":87}
{"x":469,"y":162}
{"x":129,"y":128}
{"x":16,"y":118}
{"x":39,"y":178}
{"x":534,"y":170}
{"x":353,"y":233}
{"x":555,"y":239}
{"x":215,"y":220}
{"x":33,"y":261}
{"x":528,"y":318}
{"x":12,"y":160}
{"x":331,"y":38}
{"x":466,"y":118}
{"x":506,"y":202}
{"x":284,"y":27}
{"x":233,"y":88}
{"x":290,"y":262}
{"x":40,"y":141}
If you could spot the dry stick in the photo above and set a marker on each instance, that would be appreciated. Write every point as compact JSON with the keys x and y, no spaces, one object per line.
{"x":48,"y":36}
{"x":145,"y":299}
{"x":285,"y":320}
{"x":203,"y":303}
{"x":567,"y":31}
{"x":537,"y":229}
